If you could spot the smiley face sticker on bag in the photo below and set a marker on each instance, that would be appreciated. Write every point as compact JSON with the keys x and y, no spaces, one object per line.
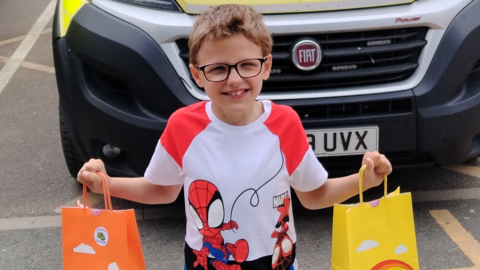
{"x":101,"y":236}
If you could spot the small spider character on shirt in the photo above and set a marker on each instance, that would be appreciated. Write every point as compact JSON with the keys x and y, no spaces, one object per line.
{"x":282,"y":258}
{"x":206,"y":207}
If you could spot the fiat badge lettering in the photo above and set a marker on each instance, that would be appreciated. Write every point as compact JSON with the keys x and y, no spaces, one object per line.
{"x":306,"y":55}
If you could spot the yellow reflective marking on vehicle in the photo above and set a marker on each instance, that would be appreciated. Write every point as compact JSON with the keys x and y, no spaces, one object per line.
{"x":66,"y":22}
{"x":71,"y":6}
{"x":68,"y":8}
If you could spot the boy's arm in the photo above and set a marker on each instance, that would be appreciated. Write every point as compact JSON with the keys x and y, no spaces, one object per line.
{"x":140,"y":190}
{"x":334,"y":190}
{"x":134,"y":189}
{"x":337,"y":190}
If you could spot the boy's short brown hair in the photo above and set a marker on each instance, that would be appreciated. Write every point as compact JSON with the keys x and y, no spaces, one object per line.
{"x":225,"y":21}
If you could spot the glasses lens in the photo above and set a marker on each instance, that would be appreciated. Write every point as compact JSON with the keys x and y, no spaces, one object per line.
{"x":246,"y":69}
{"x":216,"y":72}
{"x":249,"y":68}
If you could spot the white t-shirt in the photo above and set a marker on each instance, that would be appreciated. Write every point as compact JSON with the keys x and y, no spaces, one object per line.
{"x":237,"y":183}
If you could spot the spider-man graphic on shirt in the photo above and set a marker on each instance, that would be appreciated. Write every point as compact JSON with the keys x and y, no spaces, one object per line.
{"x":206,"y":207}
{"x":282,"y":258}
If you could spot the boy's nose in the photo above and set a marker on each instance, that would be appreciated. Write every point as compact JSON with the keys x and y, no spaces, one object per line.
{"x":234,"y":77}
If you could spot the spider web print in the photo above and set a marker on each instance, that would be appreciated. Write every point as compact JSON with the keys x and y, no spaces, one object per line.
{"x":255,"y":191}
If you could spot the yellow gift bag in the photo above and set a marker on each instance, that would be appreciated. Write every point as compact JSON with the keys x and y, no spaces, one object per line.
{"x":376,"y":235}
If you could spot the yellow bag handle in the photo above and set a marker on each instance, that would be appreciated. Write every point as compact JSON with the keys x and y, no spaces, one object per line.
{"x":360,"y":182}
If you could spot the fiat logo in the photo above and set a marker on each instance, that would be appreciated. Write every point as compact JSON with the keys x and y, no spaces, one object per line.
{"x":306,"y":55}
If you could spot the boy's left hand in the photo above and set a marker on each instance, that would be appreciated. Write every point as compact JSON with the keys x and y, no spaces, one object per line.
{"x":377,"y":168}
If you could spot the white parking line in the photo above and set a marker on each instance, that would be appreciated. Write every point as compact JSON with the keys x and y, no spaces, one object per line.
{"x":178,"y":212}
{"x":38,"y":67}
{"x":28,"y":223}
{"x":441,"y":195}
{"x":30,"y":65}
{"x":468,"y":170}
{"x":93,"y":198}
{"x":446,"y":195}
{"x":15,"y":39}
{"x":19,"y":55}
{"x":24,"y":223}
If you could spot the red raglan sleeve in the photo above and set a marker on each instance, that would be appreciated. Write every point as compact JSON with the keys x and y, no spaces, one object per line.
{"x":166,"y":165}
{"x":306,"y":172}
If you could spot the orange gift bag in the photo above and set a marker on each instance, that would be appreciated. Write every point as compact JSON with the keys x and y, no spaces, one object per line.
{"x":100,"y":239}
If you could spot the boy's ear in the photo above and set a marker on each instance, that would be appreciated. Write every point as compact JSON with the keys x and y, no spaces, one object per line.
{"x":196,"y":75}
{"x":267,"y":67}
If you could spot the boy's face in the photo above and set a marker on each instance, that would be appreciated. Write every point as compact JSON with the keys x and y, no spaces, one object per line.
{"x":235,"y":96}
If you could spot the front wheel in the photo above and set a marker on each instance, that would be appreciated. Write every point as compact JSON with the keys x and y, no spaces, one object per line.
{"x":72,"y":158}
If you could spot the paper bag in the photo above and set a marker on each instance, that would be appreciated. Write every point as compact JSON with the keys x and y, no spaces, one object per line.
{"x":100,"y":239}
{"x":376,"y":235}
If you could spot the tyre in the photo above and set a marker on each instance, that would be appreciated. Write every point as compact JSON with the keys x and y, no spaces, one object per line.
{"x":72,"y":158}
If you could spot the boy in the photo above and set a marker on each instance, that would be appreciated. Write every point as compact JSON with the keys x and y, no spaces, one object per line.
{"x":237,"y":158}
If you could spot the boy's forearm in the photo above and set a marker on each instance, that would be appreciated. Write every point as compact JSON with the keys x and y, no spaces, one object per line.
{"x":334,"y":190}
{"x":140,"y":190}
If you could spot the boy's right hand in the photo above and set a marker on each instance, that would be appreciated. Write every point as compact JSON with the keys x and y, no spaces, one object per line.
{"x":88,"y":175}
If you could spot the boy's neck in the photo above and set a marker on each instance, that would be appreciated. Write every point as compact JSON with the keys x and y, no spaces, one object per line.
{"x":239,"y":119}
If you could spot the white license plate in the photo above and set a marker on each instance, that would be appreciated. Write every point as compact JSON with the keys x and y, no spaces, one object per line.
{"x":343,"y":141}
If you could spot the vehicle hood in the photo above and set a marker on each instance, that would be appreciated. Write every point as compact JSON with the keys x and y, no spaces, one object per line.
{"x":290,"y":6}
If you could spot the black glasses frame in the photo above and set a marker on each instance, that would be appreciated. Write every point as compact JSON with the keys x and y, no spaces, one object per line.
{"x":262,"y":60}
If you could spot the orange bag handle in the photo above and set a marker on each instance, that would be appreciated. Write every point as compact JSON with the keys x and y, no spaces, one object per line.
{"x":106,"y":193}
{"x":360,"y":182}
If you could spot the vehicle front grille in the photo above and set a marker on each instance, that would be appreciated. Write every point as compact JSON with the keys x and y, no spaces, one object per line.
{"x":355,"y":109}
{"x":343,"y":165}
{"x":349,"y":59}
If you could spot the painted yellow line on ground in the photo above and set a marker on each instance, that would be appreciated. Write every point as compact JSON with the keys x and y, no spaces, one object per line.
{"x":15,"y":39}
{"x":468,"y":170}
{"x":470,"y":268}
{"x":464,"y":240}
{"x":19,"y":55}
{"x":93,"y":198}
{"x":31,"y":65}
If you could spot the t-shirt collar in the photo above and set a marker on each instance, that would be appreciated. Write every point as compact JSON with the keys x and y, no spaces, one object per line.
{"x":267,"y":108}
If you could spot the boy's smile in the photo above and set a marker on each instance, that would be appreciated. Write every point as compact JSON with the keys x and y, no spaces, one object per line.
{"x":236,"y":94}
{"x":233,"y":99}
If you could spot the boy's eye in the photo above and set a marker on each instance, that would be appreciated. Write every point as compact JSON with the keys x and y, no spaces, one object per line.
{"x":215,"y":69}
{"x":249,"y":65}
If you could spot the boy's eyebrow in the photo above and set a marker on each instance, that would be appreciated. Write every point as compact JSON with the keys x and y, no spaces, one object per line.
{"x":232,"y":62}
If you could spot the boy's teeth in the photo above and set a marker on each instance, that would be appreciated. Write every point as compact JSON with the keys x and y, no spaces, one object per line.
{"x":236,"y":93}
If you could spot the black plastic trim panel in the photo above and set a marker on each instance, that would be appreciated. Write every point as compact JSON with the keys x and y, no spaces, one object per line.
{"x":448,"y":98}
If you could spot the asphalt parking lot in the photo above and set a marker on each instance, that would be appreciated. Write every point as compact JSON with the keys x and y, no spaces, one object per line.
{"x":35,"y":183}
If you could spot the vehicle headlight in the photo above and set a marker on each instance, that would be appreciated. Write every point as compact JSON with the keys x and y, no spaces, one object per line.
{"x":158,"y":4}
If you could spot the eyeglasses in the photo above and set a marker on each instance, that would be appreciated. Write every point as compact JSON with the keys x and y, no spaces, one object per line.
{"x":247,"y":68}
